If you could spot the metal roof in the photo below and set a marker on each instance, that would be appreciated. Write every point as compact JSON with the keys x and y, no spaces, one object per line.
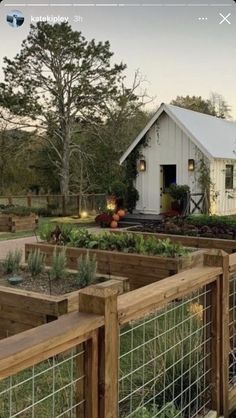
{"x":215,"y":137}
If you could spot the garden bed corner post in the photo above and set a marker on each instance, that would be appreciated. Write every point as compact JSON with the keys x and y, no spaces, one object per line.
{"x":102,"y":300}
{"x":220,"y":308}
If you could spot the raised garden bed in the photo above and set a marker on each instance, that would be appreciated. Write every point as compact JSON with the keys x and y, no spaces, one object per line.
{"x":199,"y":231}
{"x":22,"y":309}
{"x":227,"y":245}
{"x":15,"y":223}
{"x":140,"y":269}
{"x":205,"y":226}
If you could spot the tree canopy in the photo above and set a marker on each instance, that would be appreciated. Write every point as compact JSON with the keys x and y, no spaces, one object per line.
{"x":58,"y":81}
{"x":215,"y":105}
{"x":68,"y":92}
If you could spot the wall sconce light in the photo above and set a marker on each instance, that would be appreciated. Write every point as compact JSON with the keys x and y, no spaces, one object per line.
{"x":191,"y":164}
{"x":142,"y":165}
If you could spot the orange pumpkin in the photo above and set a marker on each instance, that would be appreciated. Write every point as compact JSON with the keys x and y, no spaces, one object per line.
{"x":116,"y":217}
{"x":114,"y":224}
{"x":121,"y":213}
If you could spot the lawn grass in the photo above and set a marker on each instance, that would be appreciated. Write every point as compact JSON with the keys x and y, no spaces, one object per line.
{"x":45,"y":390}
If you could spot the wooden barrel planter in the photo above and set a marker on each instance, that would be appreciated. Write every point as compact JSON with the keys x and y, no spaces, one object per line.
{"x":141,"y":270}
{"x":14,"y":223}
{"x":228,"y":245}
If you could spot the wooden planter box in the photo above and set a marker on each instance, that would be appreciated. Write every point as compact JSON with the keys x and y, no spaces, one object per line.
{"x":21,"y":310}
{"x":13,"y":223}
{"x":228,"y":245}
{"x":141,"y":270}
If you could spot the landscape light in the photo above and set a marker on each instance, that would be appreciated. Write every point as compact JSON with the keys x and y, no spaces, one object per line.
{"x":84,"y":214}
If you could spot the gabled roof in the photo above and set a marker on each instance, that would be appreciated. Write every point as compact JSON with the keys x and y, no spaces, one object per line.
{"x":215,"y":137}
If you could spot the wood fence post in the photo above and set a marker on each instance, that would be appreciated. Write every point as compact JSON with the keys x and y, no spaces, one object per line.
{"x":102,"y":300}
{"x":219,"y":258}
{"x":93,"y":209}
{"x":63,"y":202}
{"x":78,"y":203}
{"x":29,"y":201}
{"x":48,"y":201}
{"x":10,"y":200}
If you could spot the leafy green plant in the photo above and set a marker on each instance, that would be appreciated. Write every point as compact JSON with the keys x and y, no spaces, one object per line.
{"x":118,"y":189}
{"x":164,"y":247}
{"x":178,"y":192}
{"x":58,"y":270}
{"x":211,"y":220}
{"x":87,"y":268}
{"x":35,"y":263}
{"x":79,"y":237}
{"x":131,"y":198}
{"x":45,"y":231}
{"x":11,"y":264}
{"x":127,"y":242}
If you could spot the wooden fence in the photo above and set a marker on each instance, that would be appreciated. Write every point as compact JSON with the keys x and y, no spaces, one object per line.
{"x":59,"y":204}
{"x":163,"y":350}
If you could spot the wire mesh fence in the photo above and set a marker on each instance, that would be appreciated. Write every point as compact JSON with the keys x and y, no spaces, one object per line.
{"x":165,"y":361}
{"x":232,"y":330}
{"x":51,"y":389}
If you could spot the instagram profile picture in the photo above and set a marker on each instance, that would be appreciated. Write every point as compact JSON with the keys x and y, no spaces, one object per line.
{"x":15,"y":18}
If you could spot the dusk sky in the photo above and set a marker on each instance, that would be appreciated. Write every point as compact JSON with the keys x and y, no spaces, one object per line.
{"x":176,"y":52}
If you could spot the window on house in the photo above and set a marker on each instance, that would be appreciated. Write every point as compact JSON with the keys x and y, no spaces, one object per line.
{"x":229,"y":177}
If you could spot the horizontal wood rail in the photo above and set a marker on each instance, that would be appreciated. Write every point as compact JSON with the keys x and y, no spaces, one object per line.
{"x":33,"y":346}
{"x":136,"y":304}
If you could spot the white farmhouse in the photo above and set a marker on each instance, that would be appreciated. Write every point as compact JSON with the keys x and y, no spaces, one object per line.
{"x":177,"y":142}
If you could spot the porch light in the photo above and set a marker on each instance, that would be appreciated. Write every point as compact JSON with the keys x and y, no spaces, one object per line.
{"x":142,"y":165}
{"x":191,"y":164}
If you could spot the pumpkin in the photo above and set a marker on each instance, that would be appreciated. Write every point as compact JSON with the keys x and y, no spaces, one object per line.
{"x":121,"y":213}
{"x":116,"y":217}
{"x":114,"y":224}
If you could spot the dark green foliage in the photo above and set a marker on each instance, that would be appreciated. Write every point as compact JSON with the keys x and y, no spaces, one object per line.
{"x":131,"y":172}
{"x":118,"y":189}
{"x":11,"y":263}
{"x":212,"y":220}
{"x":17,"y":210}
{"x":127,"y":242}
{"x":87,"y":268}
{"x":76,"y":68}
{"x":58,"y":270}
{"x":35,"y":263}
{"x":214,"y":106}
{"x":131,"y":198}
{"x":178,"y":192}
{"x":45,"y":231}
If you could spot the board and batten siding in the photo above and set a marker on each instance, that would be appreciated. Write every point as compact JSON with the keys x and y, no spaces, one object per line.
{"x":225,"y":203}
{"x":167,"y":144}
